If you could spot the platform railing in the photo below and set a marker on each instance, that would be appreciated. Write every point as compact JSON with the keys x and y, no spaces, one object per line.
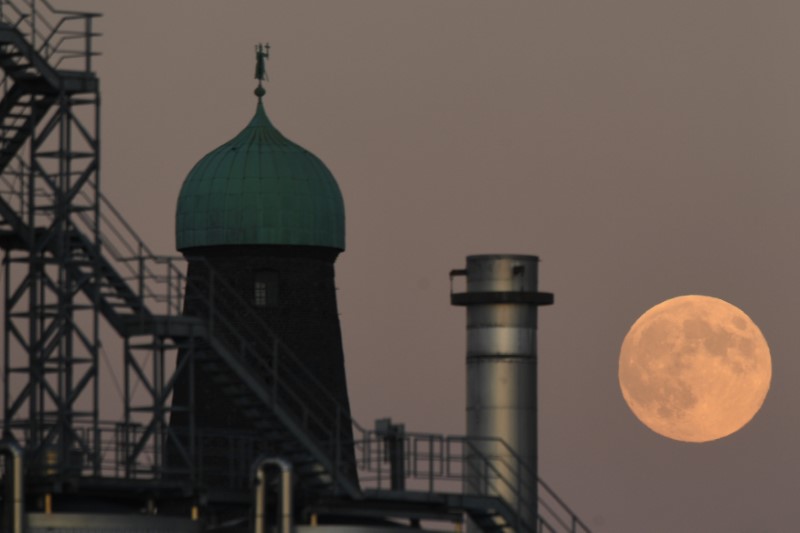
{"x":446,"y":463}
{"x":227,"y":457}
{"x":49,"y":30}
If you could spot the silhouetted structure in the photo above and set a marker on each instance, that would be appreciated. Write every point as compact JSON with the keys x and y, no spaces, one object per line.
{"x":267,"y":216}
{"x":259,"y":382}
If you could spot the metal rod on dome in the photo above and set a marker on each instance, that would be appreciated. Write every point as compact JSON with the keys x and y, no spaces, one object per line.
{"x":262,"y":54}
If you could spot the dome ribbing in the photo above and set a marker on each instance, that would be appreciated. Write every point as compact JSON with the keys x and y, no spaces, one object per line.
{"x":260,"y":188}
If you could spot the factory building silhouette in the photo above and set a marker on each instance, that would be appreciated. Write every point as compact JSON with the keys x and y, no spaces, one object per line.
{"x":235,"y":414}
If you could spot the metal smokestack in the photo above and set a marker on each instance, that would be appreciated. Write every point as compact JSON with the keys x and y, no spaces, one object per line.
{"x":501,"y":299}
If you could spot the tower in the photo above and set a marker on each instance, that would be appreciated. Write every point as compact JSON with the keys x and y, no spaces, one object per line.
{"x":501,"y":299}
{"x":267,"y":216}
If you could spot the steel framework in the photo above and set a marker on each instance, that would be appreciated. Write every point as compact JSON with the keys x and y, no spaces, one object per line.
{"x":50,"y":159}
{"x":72,"y":266}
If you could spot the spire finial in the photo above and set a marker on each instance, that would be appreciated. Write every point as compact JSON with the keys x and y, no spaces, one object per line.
{"x":262,"y":53}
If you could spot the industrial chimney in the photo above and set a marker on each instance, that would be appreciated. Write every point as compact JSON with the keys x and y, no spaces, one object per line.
{"x":501,"y":298}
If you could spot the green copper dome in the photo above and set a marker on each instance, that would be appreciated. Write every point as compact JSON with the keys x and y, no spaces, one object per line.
{"x":260,"y":188}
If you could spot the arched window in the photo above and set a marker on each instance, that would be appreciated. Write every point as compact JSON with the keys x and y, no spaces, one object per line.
{"x":265,"y":288}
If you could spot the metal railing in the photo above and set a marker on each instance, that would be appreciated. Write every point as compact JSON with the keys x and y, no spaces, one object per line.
{"x":49,"y":30}
{"x":227,"y":457}
{"x":446,"y":463}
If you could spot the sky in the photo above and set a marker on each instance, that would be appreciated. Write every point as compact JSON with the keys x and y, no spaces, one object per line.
{"x":641,"y":149}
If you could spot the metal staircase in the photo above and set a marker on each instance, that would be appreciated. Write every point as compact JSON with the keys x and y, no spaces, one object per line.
{"x":56,"y":259}
{"x":71,"y":260}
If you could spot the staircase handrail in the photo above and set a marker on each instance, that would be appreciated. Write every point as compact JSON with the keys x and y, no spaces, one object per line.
{"x":490,"y":473}
{"x":52,"y":45}
{"x":523,"y":465}
{"x":504,"y":456}
{"x":471,"y":459}
{"x":48,"y":41}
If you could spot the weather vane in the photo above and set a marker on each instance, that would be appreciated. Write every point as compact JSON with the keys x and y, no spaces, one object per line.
{"x":262,"y":53}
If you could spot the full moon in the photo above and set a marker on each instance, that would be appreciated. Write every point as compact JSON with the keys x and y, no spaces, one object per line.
{"x":694,"y":368}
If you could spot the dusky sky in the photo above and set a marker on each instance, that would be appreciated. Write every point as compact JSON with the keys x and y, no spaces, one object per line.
{"x":642,"y":149}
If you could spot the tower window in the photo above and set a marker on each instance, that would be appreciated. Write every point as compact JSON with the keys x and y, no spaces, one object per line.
{"x":265,"y":289}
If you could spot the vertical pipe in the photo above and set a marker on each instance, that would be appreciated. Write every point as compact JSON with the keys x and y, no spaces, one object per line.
{"x":285,"y":512}
{"x":501,"y":299}
{"x":394,"y":440}
{"x":16,"y":500}
{"x":286,"y":497}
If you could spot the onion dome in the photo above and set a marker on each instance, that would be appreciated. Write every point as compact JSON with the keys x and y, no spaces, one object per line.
{"x":260,"y":188}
